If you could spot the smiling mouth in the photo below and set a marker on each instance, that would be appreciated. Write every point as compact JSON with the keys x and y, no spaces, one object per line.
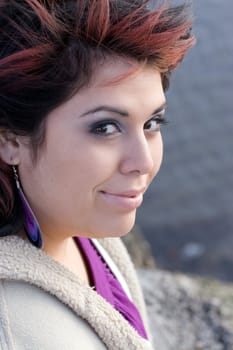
{"x":127,"y":200}
{"x":129,"y":193}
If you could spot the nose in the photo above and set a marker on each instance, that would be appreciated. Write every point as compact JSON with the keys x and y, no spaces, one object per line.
{"x":138,"y":156}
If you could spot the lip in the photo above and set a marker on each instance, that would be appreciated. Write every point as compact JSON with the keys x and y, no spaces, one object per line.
{"x":127,"y":200}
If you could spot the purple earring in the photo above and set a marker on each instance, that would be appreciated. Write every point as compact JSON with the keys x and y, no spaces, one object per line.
{"x":31,"y":225}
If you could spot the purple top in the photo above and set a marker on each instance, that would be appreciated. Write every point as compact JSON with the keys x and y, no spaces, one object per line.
{"x":108,"y":286}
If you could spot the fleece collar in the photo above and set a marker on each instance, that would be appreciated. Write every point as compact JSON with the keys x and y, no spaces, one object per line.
{"x":21,"y":261}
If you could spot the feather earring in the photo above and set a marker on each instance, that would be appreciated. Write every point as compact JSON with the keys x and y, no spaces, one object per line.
{"x":31,"y":224}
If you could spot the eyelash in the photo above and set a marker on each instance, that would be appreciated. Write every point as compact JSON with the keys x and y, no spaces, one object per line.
{"x":159,"y":119}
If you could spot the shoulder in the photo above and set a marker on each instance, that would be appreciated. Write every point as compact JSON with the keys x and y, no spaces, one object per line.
{"x":34,"y":319}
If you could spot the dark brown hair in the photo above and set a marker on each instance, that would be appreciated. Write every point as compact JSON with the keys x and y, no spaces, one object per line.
{"x":49,"y":50}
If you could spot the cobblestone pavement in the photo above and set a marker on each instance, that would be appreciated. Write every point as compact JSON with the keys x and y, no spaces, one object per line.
{"x":187,"y":214}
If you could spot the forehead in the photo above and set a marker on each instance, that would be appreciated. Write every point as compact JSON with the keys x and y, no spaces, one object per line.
{"x":119,"y":81}
{"x":116,"y":70}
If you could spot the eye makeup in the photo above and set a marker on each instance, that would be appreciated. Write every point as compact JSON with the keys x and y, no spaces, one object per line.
{"x":112,"y":126}
{"x":105,"y":127}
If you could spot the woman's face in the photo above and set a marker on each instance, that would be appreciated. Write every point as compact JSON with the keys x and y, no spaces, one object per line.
{"x":102,"y":150}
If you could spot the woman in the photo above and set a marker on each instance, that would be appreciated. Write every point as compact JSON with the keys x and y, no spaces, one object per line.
{"x":81,"y":102}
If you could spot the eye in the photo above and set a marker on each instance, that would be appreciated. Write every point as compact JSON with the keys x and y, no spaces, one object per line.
{"x":105,"y":128}
{"x":154,"y":123}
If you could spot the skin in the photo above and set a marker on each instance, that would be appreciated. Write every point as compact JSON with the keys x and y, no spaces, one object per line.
{"x":86,"y":173}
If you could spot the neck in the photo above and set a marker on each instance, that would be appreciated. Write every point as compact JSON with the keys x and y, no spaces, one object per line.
{"x":57,"y":248}
{"x":68,"y":253}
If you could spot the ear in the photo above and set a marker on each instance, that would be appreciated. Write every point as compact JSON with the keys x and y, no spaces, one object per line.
{"x":9,"y":147}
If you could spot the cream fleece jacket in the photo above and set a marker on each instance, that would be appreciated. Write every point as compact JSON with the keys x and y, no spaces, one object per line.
{"x":44,"y":306}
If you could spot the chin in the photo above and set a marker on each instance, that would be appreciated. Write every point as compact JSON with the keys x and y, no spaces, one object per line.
{"x":115,"y":228}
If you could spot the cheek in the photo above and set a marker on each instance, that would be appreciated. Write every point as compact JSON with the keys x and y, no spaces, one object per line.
{"x":82,"y":168}
{"x":157,"y":154}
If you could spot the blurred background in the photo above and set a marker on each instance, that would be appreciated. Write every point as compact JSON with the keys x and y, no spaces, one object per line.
{"x":187,"y":215}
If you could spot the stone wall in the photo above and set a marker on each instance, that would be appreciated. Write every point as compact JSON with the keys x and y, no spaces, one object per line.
{"x":188,"y":313}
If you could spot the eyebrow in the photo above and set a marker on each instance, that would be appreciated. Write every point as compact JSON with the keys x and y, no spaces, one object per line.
{"x":121,"y":112}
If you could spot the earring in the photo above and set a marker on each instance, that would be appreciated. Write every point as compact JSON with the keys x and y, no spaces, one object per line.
{"x":31,"y":224}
